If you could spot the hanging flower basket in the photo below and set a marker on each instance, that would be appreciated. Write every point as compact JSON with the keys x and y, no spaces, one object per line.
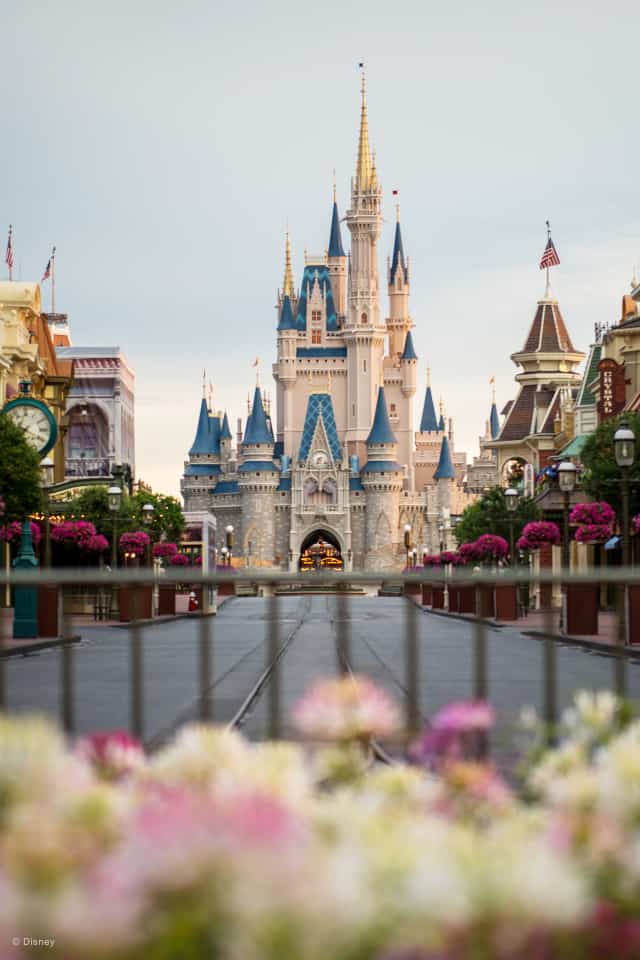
{"x":537,"y":534}
{"x":12,"y":532}
{"x":134,"y":543}
{"x":490,"y":548}
{"x":96,"y":544}
{"x":164,"y":551}
{"x":597,"y":513}
{"x":593,"y":533}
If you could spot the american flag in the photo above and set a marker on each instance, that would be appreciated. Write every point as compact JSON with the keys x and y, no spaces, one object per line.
{"x":550,"y":256}
{"x":8,"y":259}
{"x":47,"y":271}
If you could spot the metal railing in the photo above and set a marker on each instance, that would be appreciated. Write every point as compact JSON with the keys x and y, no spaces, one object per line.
{"x":272,"y":586}
{"x":87,"y":467}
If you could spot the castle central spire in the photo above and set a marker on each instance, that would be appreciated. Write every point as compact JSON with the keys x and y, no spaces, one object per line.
{"x":287,"y":283}
{"x":363,"y":169}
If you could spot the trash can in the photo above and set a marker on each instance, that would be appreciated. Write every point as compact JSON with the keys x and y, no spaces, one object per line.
{"x":582,"y":609}
{"x":427,"y":590}
{"x":135,"y":602}
{"x":437,"y":596}
{"x":506,"y":601}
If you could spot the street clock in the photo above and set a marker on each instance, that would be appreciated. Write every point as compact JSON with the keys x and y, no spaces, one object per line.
{"x":35,"y":420}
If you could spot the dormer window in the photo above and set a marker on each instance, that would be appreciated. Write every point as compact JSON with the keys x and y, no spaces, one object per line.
{"x":316,"y":336}
{"x":316,"y":316}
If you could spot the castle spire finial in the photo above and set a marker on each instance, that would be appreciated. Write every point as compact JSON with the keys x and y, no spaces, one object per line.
{"x":428,"y":376}
{"x":287,"y":284}
{"x":204,"y":384}
{"x":363,"y":169}
{"x":334,"y":186}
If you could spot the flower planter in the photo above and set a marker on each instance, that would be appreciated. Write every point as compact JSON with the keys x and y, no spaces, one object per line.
{"x":467,"y":599}
{"x":506,"y":601}
{"x":454,"y":599}
{"x":48,"y":608}
{"x":437,"y":596}
{"x":486,"y":602}
{"x":226,"y":589}
{"x":582,"y":609}
{"x":412,"y":590}
{"x":135,"y":602}
{"x":427,"y":590}
{"x":166,"y":601}
{"x":633,"y":614}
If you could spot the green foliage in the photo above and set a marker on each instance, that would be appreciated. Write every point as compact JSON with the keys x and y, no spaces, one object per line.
{"x":489,"y":514}
{"x":20,"y":481}
{"x":601,"y":475}
{"x":93,"y":505}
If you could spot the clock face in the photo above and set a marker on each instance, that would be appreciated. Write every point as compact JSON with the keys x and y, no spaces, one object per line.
{"x":35,"y":420}
{"x":320,"y":459}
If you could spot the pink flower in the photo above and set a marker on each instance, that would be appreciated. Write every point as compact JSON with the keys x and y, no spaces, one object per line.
{"x":135,"y":543}
{"x":165,"y":550}
{"x":599,"y":512}
{"x":95,"y":544}
{"x":74,"y":533}
{"x":455,"y":732}
{"x":112,"y":754}
{"x":537,"y":533}
{"x":179,"y":560}
{"x":346,"y":708}
{"x":593,"y":532}
{"x":13,"y":531}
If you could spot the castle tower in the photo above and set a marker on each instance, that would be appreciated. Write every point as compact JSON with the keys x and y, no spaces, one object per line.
{"x":382,"y":480}
{"x":337,"y":262}
{"x":258,"y":477}
{"x":445,"y":476}
{"x":286,"y":374}
{"x":225,"y":439}
{"x":202,"y":469}
{"x":405,"y":428}
{"x":398,"y":322}
{"x":363,"y":334}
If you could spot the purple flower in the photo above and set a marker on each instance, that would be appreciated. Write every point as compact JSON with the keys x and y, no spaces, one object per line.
{"x":95,"y":544}
{"x":598,"y":512}
{"x":13,"y":531}
{"x":135,"y":543}
{"x":454,"y":732}
{"x":537,"y":533}
{"x":179,"y":560}
{"x":165,"y":550}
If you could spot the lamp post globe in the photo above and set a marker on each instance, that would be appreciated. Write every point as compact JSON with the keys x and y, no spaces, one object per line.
{"x":567,"y":476}
{"x":115,"y":496}
{"x":624,"y":443}
{"x":147,"y":514}
{"x":511,"y":499}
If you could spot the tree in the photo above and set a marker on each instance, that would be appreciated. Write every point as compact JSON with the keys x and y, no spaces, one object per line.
{"x":20,"y":481}
{"x":168,"y":518}
{"x":489,"y":514}
{"x":601,"y":475}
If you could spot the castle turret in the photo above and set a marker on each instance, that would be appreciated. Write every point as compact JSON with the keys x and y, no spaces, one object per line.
{"x":399,"y":321}
{"x":428,"y":421}
{"x":284,"y":371}
{"x":258,"y":479}
{"x":445,"y":476}
{"x":382,"y":480}
{"x":203,"y":466}
{"x":225,"y":439}
{"x":337,"y":263}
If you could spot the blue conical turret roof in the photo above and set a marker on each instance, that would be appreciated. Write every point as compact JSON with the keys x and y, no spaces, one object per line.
{"x":409,"y":352}
{"x":257,"y":429}
{"x":202,"y":443}
{"x":494,"y":422}
{"x":441,"y":423}
{"x":225,"y":433}
{"x":286,"y":315}
{"x":381,"y":431}
{"x":397,"y":257}
{"x":335,"y":239}
{"x":429,"y":423}
{"x":444,"y":470}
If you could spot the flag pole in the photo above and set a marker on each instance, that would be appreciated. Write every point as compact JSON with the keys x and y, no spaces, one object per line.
{"x":547,"y":292}
{"x":53,"y":280}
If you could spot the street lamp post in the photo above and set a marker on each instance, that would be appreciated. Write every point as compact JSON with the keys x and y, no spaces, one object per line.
{"x":147,"y":519}
{"x":511,"y":498}
{"x":114,"y":495}
{"x":624,"y":444}
{"x":567,"y":484}
{"x":47,"y":478}
{"x":228,"y":533}
{"x":225,"y":553}
{"x":407,"y":542}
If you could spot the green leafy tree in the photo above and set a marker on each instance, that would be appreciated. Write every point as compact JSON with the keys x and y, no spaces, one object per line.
{"x":20,"y":481}
{"x":489,"y":514}
{"x":168,"y":518}
{"x":601,"y":475}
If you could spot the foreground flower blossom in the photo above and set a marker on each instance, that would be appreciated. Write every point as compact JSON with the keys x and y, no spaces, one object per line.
{"x":348,"y":708}
{"x":112,"y":754}
{"x":455,"y":732}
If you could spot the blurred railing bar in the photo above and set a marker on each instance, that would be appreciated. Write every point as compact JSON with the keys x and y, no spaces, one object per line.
{"x":273,"y":662}
{"x":67,"y":698}
{"x":412,"y":665}
{"x":206,"y":659}
{"x":343,"y":632}
{"x":549,"y":675}
{"x":480,"y":682}
{"x":136,"y":668}
{"x":620,"y":663}
{"x":3,"y":682}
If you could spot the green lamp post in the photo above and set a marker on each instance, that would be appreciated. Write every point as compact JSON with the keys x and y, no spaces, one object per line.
{"x":25,"y":620}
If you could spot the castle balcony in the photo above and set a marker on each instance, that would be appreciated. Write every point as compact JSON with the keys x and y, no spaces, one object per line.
{"x":84,"y":467}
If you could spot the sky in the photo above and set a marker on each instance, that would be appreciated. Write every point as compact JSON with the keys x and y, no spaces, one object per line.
{"x":164,"y":148}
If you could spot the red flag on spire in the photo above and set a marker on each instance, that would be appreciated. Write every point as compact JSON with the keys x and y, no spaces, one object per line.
{"x":550,"y":256}
{"x":8,"y":259}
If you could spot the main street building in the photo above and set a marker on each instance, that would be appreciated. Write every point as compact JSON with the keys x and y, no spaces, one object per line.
{"x":341,"y":470}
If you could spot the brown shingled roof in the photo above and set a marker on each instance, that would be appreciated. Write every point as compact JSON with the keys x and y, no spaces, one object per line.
{"x":548,"y":333}
{"x":518,"y":422}
{"x":547,"y":426}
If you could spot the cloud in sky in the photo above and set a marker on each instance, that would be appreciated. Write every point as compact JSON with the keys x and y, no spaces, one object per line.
{"x":163,"y":150}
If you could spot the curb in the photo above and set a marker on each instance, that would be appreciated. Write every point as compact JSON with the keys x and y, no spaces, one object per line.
{"x":609,"y":649}
{"x":168,"y":618}
{"x":6,"y":652}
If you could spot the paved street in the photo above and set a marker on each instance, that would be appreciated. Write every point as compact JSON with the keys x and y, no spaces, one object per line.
{"x":308,"y":623}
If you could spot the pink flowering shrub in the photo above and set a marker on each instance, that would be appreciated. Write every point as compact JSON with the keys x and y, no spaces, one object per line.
{"x":179,"y":560}
{"x":13,"y":531}
{"x":466,"y":552}
{"x":73,"y":533}
{"x":599,"y":512}
{"x":450,"y":557}
{"x":95,"y":544}
{"x":593,"y":533}
{"x":431,"y":560}
{"x":490,"y":547}
{"x":135,"y":543}
{"x":163,"y":550}
{"x":538,"y":533}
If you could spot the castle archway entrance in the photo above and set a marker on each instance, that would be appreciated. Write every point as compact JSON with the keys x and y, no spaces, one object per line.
{"x":320,"y":550}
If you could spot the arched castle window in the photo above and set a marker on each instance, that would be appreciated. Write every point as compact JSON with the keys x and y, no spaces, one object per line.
{"x":363,"y":319}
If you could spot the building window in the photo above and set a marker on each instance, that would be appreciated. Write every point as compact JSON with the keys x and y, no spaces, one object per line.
{"x":392,"y":408}
{"x":316,"y":336}
{"x":316,"y":316}
{"x":363,"y":319}
{"x":364,"y":366}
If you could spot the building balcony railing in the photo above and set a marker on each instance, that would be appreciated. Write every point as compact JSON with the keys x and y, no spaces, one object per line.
{"x":87,"y":467}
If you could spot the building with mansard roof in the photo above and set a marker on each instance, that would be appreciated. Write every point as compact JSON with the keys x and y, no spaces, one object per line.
{"x":341,"y":467}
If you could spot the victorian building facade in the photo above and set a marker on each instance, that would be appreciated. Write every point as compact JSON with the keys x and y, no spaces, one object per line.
{"x":342,"y":462}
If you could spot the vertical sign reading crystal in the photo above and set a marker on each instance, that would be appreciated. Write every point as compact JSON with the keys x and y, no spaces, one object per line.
{"x":612,"y":392}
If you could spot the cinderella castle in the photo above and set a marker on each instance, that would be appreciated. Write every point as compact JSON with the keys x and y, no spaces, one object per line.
{"x":341,"y":475}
